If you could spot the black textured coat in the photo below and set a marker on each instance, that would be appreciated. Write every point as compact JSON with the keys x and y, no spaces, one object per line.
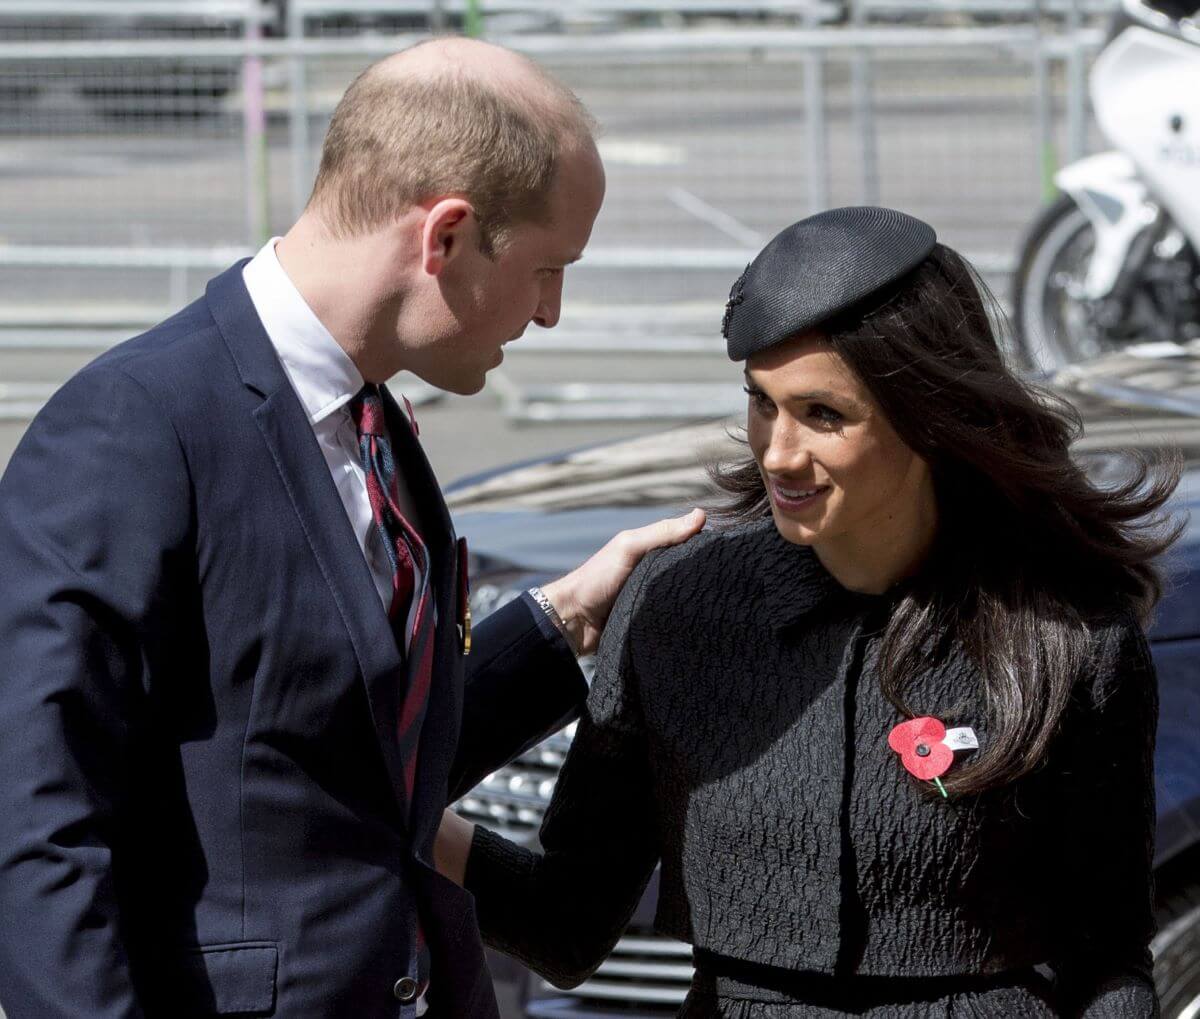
{"x":737,"y":733}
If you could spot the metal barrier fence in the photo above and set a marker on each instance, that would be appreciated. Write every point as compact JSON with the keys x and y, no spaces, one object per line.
{"x":145,"y":144}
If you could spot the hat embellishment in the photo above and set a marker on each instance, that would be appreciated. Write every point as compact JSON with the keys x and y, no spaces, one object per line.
{"x":737,"y":294}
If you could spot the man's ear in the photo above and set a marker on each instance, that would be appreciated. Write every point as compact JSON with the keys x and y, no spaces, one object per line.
{"x":449,"y":227}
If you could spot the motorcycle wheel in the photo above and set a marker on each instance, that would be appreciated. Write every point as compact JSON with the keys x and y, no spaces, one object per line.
{"x":1053,"y":325}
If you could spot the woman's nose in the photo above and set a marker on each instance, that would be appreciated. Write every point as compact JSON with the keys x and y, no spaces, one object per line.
{"x":785,"y":454}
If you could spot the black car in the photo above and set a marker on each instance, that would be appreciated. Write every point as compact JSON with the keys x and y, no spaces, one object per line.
{"x":530,"y":522}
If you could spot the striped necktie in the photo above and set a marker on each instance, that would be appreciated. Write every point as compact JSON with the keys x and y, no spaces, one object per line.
{"x":410,"y":599}
{"x":412,"y":594}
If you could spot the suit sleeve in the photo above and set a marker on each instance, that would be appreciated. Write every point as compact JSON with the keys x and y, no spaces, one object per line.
{"x":94,"y":508}
{"x":561,"y":911}
{"x":522,"y":684}
{"x":1107,"y":835}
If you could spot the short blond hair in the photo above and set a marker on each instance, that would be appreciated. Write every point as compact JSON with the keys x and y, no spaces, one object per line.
{"x":397,"y":139}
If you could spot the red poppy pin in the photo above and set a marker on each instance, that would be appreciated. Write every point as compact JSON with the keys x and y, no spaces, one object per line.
{"x":464,"y":597}
{"x":926,"y":748}
{"x":412,"y":417}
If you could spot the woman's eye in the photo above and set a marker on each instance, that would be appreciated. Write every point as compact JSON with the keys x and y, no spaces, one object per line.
{"x":757,"y":396}
{"x":826,"y":415}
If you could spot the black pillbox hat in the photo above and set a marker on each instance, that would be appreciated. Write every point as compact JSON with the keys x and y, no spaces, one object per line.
{"x":818,"y":268}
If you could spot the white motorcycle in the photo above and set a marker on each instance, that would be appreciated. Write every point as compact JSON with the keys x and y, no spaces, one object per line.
{"x":1114,"y":261}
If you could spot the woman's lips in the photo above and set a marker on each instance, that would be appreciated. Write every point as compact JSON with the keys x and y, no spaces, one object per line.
{"x":793,"y":497}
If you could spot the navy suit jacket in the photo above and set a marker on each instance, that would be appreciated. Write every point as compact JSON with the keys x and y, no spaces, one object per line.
{"x":201,"y":805}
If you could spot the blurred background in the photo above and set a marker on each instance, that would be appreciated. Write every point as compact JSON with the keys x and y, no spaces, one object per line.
{"x":147,"y":144}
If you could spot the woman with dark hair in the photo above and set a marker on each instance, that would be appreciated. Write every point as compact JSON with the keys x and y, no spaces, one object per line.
{"x":890,"y":732}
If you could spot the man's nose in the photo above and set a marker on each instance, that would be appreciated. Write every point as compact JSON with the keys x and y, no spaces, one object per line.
{"x":550,"y":305}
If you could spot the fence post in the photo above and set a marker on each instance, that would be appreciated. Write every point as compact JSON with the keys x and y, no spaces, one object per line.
{"x":1076,"y":87}
{"x":254,"y":134}
{"x":1047,"y":158}
{"x":298,"y":116}
{"x":862,"y":86}
{"x":437,"y":17}
{"x":814,"y":122}
{"x":473,"y":19}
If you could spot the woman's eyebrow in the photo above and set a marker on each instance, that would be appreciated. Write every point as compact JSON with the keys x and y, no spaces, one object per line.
{"x":814,"y":396}
{"x":811,"y":395}
{"x":820,"y":394}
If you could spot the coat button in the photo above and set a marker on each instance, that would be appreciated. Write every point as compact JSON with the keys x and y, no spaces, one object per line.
{"x":405,"y":990}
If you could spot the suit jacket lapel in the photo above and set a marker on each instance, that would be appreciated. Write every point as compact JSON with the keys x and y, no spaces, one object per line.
{"x":439,"y":734}
{"x":305,"y":475}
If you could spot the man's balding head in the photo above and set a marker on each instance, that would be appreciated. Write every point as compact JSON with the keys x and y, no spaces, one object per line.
{"x":449,"y":116}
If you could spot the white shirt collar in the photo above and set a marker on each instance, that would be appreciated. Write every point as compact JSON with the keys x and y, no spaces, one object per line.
{"x":320,"y":371}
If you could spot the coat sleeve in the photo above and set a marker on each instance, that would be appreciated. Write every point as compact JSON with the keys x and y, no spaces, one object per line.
{"x":1107,"y":835}
{"x":522,"y":683}
{"x":94,"y":511}
{"x":560,"y":911}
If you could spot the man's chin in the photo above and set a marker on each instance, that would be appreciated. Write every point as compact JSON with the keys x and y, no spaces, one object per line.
{"x":458,"y":384}
{"x":464,"y":385}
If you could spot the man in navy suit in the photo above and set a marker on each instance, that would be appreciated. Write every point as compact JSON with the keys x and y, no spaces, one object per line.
{"x":234,"y":693}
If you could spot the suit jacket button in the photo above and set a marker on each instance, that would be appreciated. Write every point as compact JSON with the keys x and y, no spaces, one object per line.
{"x":405,"y":990}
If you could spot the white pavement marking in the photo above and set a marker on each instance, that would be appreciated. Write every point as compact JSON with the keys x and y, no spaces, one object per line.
{"x":10,"y":391}
{"x":640,"y":153}
{"x":21,"y":401}
{"x":724,"y":222}
{"x":10,"y":412}
{"x":25,"y":340}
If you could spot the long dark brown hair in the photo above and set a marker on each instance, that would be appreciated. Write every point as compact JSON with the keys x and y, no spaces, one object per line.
{"x":1029,"y":551}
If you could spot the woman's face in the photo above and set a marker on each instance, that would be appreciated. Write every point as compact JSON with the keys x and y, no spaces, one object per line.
{"x":835,"y":470}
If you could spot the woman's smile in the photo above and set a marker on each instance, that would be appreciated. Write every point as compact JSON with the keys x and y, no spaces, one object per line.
{"x":791,"y":497}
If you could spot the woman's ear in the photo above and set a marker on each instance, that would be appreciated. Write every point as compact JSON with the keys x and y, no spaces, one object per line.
{"x":449,"y":226}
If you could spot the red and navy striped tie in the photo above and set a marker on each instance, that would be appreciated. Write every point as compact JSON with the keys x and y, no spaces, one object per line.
{"x":410,"y":599}
{"x":404,"y":549}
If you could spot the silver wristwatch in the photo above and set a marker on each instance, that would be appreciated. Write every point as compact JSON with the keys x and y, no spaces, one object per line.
{"x":539,"y":596}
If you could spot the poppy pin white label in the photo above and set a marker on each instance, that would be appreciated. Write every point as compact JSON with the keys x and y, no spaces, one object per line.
{"x":961,"y":739}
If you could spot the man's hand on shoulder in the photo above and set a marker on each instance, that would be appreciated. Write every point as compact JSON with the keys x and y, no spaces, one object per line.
{"x":585,"y":596}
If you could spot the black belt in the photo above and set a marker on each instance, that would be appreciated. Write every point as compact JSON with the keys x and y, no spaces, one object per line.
{"x":731,"y":978}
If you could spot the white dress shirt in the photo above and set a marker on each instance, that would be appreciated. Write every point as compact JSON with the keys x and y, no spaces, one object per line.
{"x":325,"y":380}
